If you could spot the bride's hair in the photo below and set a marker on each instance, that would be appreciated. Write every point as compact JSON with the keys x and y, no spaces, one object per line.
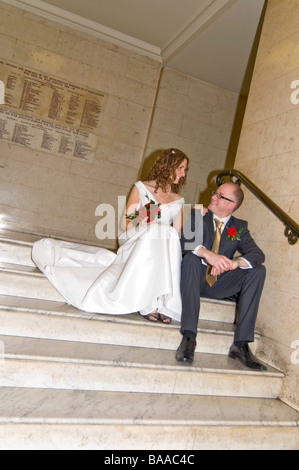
{"x":164,"y":170}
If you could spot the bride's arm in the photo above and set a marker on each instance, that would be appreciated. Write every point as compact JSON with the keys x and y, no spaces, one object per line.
{"x":131,"y":206}
{"x":178,"y":221}
{"x":201,"y":208}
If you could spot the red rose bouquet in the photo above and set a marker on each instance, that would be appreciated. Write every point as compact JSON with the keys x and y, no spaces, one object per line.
{"x":149,"y":213}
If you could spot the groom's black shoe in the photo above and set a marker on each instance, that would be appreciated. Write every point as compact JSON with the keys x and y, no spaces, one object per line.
{"x":186,"y":351}
{"x":246,"y":357}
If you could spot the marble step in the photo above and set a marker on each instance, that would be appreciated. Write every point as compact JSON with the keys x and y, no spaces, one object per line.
{"x":73,"y":419}
{"x":15,"y":258}
{"x":57,"y":320}
{"x":39,"y":363}
{"x":16,"y":247}
{"x":27,"y":281}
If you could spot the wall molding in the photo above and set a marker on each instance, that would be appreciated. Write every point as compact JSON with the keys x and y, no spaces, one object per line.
{"x":205,"y":15}
{"x":87,"y":26}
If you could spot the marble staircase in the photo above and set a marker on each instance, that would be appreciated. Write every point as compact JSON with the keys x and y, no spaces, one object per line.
{"x":74,"y":380}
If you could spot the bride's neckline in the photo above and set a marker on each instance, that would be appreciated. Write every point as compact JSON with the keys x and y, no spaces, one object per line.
{"x":164,"y":203}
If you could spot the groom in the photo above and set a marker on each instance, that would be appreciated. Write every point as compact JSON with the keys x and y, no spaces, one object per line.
{"x":227,"y":264}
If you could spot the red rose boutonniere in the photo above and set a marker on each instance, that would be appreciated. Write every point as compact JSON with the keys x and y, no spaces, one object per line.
{"x":150,"y":212}
{"x":233,"y":234}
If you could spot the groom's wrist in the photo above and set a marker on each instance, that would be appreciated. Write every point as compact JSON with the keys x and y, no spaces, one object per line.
{"x":202,"y":252}
{"x":195,"y":251}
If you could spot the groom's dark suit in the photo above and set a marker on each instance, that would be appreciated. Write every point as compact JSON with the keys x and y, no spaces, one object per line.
{"x":247,"y":284}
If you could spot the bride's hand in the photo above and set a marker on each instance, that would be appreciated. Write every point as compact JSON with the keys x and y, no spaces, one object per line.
{"x":143,"y":222}
{"x":148,"y":222}
{"x":201,"y":208}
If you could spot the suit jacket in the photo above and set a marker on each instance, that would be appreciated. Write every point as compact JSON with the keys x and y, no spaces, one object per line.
{"x":247,"y":247}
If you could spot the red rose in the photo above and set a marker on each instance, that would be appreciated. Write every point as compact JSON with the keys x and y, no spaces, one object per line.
{"x":231,"y":231}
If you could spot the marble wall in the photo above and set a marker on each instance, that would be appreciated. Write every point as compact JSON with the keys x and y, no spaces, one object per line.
{"x":268,"y":154}
{"x":48,"y":194}
{"x":52,"y":195}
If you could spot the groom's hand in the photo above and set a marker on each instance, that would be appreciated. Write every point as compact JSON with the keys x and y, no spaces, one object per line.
{"x":222,"y":264}
{"x":219,"y":263}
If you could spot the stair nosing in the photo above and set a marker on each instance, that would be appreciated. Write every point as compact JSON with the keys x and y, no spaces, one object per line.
{"x":145,"y":422}
{"x":14,"y":237}
{"x":20,"y":269}
{"x":239,"y":369}
{"x":83,"y":315}
{"x":285,"y":415}
{"x":135,"y":365}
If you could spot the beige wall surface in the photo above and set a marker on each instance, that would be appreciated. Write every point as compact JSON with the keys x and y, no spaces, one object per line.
{"x":52,"y":195}
{"x":268,"y":154}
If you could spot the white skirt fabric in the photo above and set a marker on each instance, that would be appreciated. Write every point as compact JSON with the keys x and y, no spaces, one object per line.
{"x":143,"y":275}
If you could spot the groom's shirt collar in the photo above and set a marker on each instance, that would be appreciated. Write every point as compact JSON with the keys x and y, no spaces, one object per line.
{"x":225,"y":221}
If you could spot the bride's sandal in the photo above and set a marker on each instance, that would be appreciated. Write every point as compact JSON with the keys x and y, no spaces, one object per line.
{"x":165,"y":319}
{"x":153,"y":317}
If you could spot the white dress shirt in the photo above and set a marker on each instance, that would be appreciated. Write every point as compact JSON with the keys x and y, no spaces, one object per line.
{"x":225,"y":221}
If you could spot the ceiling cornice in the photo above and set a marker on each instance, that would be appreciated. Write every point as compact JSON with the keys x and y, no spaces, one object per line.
{"x":205,"y":15}
{"x":208,"y":12}
{"x":87,"y":26}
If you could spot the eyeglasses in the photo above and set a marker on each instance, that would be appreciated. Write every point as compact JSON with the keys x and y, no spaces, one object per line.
{"x":219,"y":196}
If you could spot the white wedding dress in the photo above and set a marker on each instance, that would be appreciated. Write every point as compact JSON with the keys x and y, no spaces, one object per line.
{"x":143,"y":275}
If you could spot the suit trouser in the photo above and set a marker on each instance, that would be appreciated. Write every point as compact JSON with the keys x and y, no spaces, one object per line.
{"x":246,"y":283}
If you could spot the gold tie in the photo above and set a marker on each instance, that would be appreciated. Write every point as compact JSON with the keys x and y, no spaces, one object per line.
{"x":215,"y":249}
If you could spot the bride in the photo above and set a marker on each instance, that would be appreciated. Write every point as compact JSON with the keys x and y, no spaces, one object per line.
{"x":144,"y":274}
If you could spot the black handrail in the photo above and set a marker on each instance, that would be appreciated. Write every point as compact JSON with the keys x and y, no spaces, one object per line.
{"x":291,"y":227}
